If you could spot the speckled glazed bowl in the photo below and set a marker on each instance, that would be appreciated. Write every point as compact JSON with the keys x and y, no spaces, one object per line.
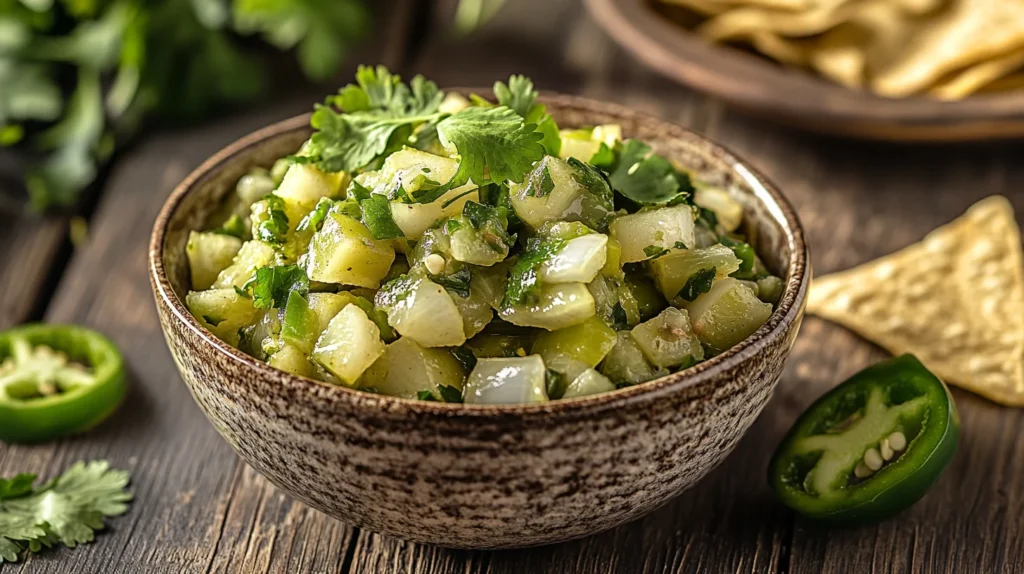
{"x":483,"y":476}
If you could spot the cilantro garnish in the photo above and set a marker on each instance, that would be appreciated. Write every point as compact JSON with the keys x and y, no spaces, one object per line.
{"x":271,"y":286}
{"x":539,"y":182}
{"x":449,"y":394}
{"x":556,"y":383}
{"x":698,"y":283}
{"x":648,"y":178}
{"x":522,"y":276}
{"x":377,"y":217}
{"x":654,"y":251}
{"x":69,"y":509}
{"x":314,"y":220}
{"x":520,"y":95}
{"x":494,"y":144}
{"x":274,"y":227}
{"x":457,"y":282}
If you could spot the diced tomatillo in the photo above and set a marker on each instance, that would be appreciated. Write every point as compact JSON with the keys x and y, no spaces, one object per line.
{"x":507,"y":381}
{"x":870,"y":447}
{"x":56,"y":380}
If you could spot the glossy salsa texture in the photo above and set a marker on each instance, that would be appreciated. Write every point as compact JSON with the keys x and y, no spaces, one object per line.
{"x":590,"y":264}
{"x":870,"y":447}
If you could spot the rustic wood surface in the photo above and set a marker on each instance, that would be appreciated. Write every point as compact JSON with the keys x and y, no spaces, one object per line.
{"x":199,"y":509}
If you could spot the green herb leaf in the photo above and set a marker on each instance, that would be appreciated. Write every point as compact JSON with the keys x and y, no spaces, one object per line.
{"x":377,"y":217}
{"x":274,"y":228}
{"x":519,"y":95}
{"x":522,"y":276}
{"x":457,"y":282}
{"x":539,"y":182}
{"x":425,"y":396}
{"x":68,"y":509}
{"x":271,"y":286}
{"x":707,"y":218}
{"x":494,"y":144}
{"x":604,"y":157}
{"x":698,"y":283}
{"x":314,"y":220}
{"x":557,"y":383}
{"x":213,"y":321}
{"x":654,"y":251}
{"x":450,"y":394}
{"x":465,"y":357}
{"x":234,"y":226}
{"x":357,"y":191}
{"x":645,"y":177}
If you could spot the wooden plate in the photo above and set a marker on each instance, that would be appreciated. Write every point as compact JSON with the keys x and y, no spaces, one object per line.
{"x":793,"y":97}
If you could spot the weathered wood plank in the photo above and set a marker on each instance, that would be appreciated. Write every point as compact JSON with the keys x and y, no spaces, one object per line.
{"x":29,"y":248}
{"x":198,"y":508}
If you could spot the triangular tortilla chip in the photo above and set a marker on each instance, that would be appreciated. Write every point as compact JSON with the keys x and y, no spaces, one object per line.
{"x":956,"y":300}
{"x":970,"y":80}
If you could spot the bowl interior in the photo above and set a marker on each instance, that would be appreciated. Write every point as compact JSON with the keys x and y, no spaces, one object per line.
{"x":771,"y":223}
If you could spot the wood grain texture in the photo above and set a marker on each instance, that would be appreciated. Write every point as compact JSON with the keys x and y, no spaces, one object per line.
{"x":29,"y":249}
{"x":198,"y":508}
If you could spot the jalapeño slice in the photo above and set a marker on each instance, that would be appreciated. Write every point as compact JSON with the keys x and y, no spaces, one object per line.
{"x":870,"y":447}
{"x":56,"y":380}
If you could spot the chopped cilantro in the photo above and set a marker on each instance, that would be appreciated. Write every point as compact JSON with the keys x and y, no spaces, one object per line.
{"x":654,"y":251}
{"x":679,"y":245}
{"x":450,"y":394}
{"x":377,"y":217}
{"x":557,"y":383}
{"x":425,"y":396}
{"x":604,"y":157}
{"x":465,"y":357}
{"x":647,"y":178}
{"x":271,"y":286}
{"x":357,"y":191}
{"x":457,"y":282}
{"x":522,"y":276}
{"x":699,"y":282}
{"x":539,"y":182}
{"x":274,"y":228}
{"x":314,"y":220}
{"x":707,"y":218}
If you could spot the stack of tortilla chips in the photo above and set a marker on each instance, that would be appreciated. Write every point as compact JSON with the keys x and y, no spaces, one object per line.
{"x":956,"y":300}
{"x":947,"y":49}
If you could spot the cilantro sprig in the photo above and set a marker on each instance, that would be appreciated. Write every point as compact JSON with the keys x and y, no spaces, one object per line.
{"x":67,"y":510}
{"x":380,"y":113}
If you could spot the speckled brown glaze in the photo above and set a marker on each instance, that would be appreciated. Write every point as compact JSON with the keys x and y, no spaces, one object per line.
{"x":483,"y":476}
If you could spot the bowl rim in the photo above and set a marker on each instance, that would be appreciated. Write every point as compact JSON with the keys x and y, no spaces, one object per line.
{"x":788,"y":310}
{"x":755,"y":85}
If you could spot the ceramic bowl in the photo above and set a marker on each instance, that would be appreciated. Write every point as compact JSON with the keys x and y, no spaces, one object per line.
{"x":483,"y":476}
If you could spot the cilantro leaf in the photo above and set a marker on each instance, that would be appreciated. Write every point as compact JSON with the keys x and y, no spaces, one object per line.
{"x":493,"y":144}
{"x":603,"y":157}
{"x":315,"y":219}
{"x":698,"y":283}
{"x":271,"y":286}
{"x":425,"y":396}
{"x":457,"y":282}
{"x":490,"y":222}
{"x":234,"y":226}
{"x":539,"y":182}
{"x":379,"y":113}
{"x":273,"y":227}
{"x":518,"y":95}
{"x":465,"y":357}
{"x":377,"y":217}
{"x":522,"y":276}
{"x":68,"y":509}
{"x":450,"y":394}
{"x":557,"y":383}
{"x":647,"y":178}
{"x":654,"y":251}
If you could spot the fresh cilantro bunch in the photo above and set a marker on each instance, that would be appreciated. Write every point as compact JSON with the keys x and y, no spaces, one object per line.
{"x":379,"y":114}
{"x":77,"y":77}
{"x":68,"y":510}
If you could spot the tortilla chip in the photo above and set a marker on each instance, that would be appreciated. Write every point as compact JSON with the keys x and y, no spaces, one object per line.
{"x":974,"y":78}
{"x":956,"y":300}
{"x":782,"y":50}
{"x":969,"y":32}
{"x":743,"y":22}
{"x":840,"y":56}
{"x":1009,"y":83}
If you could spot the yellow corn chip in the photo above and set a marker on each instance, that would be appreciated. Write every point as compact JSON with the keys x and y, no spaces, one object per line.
{"x":1009,"y":83}
{"x":839,"y":55}
{"x":974,"y":78}
{"x":956,"y":300}
{"x":969,"y":32}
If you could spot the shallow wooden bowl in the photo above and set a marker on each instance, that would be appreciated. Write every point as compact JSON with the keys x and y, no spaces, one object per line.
{"x":765,"y":89}
{"x":483,"y":476}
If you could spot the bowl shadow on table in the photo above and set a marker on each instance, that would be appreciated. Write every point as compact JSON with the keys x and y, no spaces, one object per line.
{"x":136,"y":409}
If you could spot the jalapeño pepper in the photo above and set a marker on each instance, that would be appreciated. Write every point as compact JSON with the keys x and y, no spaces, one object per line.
{"x":56,"y":380}
{"x":870,"y":447}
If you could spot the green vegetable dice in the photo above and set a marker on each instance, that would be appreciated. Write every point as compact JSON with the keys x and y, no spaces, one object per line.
{"x":208,"y":255}
{"x":349,"y":346}
{"x":668,"y":339}
{"x":222,"y":311}
{"x":251,"y":256}
{"x":645,"y":234}
{"x":549,"y":193}
{"x":555,"y":307}
{"x":589,"y":382}
{"x":589,"y":342}
{"x":304,"y":184}
{"x":625,"y":364}
{"x":727,"y":314}
{"x":293,"y":360}
{"x":422,"y":310}
{"x":345,"y":252}
{"x":672,"y":271}
{"x":507,"y":381}
{"x":406,"y":368}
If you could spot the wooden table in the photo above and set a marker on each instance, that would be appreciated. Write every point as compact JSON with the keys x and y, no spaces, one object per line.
{"x":199,"y":509}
